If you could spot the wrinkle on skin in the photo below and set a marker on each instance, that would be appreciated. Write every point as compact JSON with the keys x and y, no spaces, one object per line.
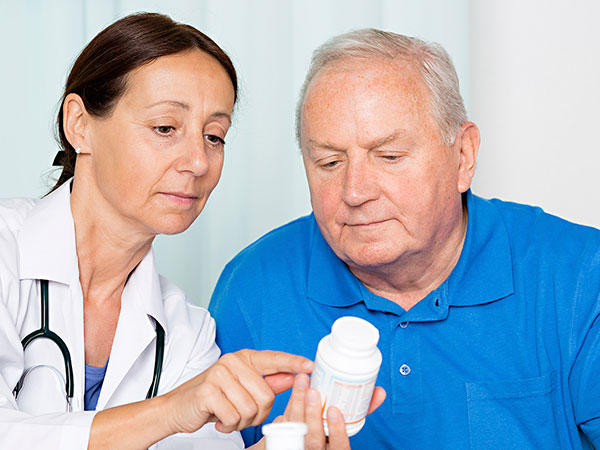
{"x":146,"y":168}
{"x":374,"y":154}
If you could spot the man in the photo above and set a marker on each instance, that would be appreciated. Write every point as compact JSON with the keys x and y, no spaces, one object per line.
{"x":488,"y":311}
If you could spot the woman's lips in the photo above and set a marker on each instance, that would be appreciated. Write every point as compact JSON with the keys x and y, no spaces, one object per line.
{"x":180,"y":198}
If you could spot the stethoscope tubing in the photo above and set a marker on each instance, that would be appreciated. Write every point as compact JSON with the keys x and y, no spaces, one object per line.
{"x":45,"y":332}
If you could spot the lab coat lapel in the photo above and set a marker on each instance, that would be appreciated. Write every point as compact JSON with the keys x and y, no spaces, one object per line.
{"x":141,"y":301}
{"x":47,"y":251}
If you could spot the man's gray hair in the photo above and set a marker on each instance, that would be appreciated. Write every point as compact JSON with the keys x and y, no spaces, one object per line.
{"x":432,"y":61}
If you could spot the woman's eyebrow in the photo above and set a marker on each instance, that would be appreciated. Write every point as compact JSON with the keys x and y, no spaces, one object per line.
{"x":170,"y":102}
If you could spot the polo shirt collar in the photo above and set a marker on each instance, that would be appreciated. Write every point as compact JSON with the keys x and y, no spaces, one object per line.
{"x":329,"y":281}
{"x":483,"y":273}
{"x":47,"y":251}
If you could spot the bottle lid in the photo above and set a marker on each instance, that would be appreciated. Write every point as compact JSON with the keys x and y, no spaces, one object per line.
{"x":355,"y":334}
{"x":285,"y":435}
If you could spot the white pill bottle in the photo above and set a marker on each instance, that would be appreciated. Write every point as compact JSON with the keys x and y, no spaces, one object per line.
{"x":285,"y":435}
{"x":345,"y":370}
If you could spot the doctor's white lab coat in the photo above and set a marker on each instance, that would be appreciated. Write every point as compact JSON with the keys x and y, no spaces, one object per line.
{"x":37,"y":241}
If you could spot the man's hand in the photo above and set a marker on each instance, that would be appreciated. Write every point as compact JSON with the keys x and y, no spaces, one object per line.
{"x":305,"y":406}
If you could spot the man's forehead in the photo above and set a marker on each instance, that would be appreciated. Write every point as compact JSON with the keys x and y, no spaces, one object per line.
{"x":364,"y":69}
{"x":366,"y":101}
{"x":354,"y":83}
{"x":377,"y":139}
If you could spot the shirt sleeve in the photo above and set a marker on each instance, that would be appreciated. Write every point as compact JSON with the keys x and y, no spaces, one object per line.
{"x":585,"y":386}
{"x":233,"y":330}
{"x":584,"y":375}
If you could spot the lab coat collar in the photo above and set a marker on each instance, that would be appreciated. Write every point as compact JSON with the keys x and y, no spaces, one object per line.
{"x":144,"y":288}
{"x":47,"y":240}
{"x":135,"y":331}
{"x":47,"y":252}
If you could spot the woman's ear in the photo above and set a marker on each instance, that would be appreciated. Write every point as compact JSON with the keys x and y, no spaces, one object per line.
{"x":75,"y":122}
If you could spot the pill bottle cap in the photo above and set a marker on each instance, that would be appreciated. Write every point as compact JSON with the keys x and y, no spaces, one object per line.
{"x":285,"y":435}
{"x":354,"y":335}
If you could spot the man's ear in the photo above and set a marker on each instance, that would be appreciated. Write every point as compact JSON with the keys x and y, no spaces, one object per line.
{"x":467,"y":139}
{"x":75,"y":121}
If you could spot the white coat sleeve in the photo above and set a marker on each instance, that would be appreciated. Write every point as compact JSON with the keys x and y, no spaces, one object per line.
{"x":19,"y":430}
{"x":204,"y":354}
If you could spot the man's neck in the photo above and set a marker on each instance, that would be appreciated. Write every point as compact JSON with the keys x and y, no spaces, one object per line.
{"x":408,"y":280}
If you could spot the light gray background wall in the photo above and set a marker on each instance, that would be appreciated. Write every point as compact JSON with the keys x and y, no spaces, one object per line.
{"x":528,"y":75}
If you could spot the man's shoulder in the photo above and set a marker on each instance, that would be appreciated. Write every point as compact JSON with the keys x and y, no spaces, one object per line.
{"x":533,"y":231}
{"x":279,"y":244}
{"x":533,"y":221}
{"x":277,"y":260}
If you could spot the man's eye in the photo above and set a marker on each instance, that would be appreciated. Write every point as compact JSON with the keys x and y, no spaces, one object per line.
{"x":164,"y":130}
{"x":391,"y":158}
{"x":330,"y":164}
{"x":214,"y":139}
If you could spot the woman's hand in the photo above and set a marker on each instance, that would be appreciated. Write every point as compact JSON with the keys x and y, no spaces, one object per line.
{"x":233,"y":392}
{"x":305,"y":406}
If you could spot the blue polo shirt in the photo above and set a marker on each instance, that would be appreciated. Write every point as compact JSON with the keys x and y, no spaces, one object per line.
{"x":505,"y":353}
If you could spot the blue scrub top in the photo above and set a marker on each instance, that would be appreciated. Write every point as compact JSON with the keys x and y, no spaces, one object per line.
{"x":505,"y":353}
{"x":94,"y":377}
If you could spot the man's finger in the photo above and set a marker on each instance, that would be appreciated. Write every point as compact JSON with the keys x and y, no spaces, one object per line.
{"x":294,"y":411}
{"x":268,"y":362}
{"x":377,"y":399}
{"x":338,"y":438}
{"x":315,"y":438}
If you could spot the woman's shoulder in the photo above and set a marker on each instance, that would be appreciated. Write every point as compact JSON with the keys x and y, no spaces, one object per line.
{"x":13,"y":212}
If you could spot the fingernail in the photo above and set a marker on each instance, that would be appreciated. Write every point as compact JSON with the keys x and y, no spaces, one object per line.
{"x":301,"y":381}
{"x":312,"y":397}
{"x":308,"y":366}
{"x":334,"y":415}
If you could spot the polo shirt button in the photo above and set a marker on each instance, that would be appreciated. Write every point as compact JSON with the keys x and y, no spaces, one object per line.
{"x":404,"y":369}
{"x":403,"y":324}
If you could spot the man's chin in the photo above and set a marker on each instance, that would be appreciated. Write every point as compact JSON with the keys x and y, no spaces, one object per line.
{"x":373,"y":256}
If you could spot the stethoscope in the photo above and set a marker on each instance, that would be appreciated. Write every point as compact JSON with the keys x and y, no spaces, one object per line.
{"x":45,"y":332}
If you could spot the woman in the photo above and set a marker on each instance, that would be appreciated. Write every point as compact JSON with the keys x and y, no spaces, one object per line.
{"x":142,"y":126}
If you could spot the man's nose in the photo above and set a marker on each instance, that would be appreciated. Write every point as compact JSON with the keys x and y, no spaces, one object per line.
{"x":194,"y":158}
{"x":360,"y":183}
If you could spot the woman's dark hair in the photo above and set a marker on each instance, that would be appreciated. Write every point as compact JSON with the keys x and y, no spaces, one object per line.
{"x":99,"y":74}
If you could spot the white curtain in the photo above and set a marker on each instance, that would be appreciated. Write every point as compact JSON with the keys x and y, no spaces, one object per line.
{"x":270,"y":42}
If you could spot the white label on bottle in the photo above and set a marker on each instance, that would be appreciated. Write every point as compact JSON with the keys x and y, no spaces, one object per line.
{"x":351,"y":397}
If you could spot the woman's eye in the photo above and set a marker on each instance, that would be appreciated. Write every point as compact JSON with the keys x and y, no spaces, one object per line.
{"x":164,"y":130}
{"x":214,"y":139}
